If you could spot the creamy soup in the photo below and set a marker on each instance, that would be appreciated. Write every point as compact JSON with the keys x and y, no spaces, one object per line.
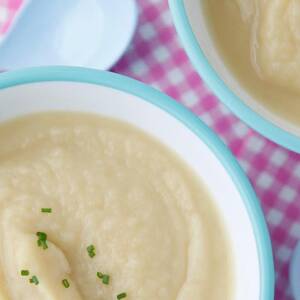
{"x":260,"y":42}
{"x":92,"y":208}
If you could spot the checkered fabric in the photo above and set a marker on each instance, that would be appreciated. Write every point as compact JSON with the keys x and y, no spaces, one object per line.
{"x":8,"y":10}
{"x":157,"y":58}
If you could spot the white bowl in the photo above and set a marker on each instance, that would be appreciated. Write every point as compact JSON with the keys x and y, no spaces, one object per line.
{"x":108,"y":94}
{"x":192,"y":28}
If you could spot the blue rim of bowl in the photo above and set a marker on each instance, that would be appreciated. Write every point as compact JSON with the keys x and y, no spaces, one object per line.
{"x":183,"y":115}
{"x":212,"y":79}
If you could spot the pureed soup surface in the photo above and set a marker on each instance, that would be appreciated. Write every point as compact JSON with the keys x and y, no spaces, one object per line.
{"x":115,"y":201}
{"x":260,"y":42}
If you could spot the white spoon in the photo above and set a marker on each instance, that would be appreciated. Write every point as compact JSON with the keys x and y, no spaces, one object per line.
{"x":295,"y":273}
{"x":90,"y":33}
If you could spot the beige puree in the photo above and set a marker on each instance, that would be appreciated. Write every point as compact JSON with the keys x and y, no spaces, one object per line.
{"x":155,"y":229}
{"x":260,"y":42}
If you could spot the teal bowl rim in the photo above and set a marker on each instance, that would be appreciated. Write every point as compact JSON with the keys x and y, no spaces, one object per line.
{"x":217,"y":85}
{"x":191,"y":121}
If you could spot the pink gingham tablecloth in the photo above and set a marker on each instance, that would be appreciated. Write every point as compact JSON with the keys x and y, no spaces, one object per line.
{"x":157,"y":58}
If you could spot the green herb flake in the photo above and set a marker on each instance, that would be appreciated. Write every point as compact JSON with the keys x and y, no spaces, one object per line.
{"x":34,"y":280}
{"x":42,"y":244}
{"x":91,"y":251}
{"x":42,"y":236}
{"x":46,"y":210}
{"x":24,"y":272}
{"x":121,"y":296}
{"x":66,"y":283}
{"x":42,"y":240}
{"x":105,"y":279}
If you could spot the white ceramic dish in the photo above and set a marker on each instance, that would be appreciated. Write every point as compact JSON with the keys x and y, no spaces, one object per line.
{"x":192,"y":28}
{"x":108,"y":94}
{"x":89,"y":33}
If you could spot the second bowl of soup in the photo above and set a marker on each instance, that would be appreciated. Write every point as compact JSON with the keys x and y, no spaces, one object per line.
{"x":248,"y":53}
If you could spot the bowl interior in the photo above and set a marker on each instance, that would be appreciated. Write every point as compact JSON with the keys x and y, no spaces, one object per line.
{"x":75,"y":96}
{"x":196,"y":14}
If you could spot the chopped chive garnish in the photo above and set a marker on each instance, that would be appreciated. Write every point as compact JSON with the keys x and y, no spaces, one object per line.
{"x":46,"y":210}
{"x":42,"y":236}
{"x":42,"y":244}
{"x":34,"y":280}
{"x":91,"y":251}
{"x":121,"y":296}
{"x":24,"y":272}
{"x":66,"y":283}
{"x":90,"y":248}
{"x":105,"y":279}
{"x":42,"y":240}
